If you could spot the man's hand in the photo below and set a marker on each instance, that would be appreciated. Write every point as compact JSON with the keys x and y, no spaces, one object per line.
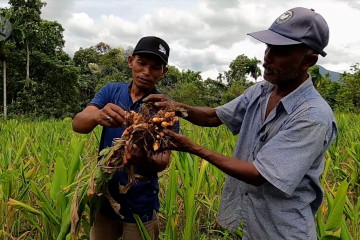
{"x":201,"y":116}
{"x":160,"y":100}
{"x":111,"y":116}
{"x":163,"y":102}
{"x":177,"y":142}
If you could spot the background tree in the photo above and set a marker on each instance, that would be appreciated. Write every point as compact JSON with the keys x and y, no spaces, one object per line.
{"x":99,"y":65}
{"x":52,"y":89}
{"x":241,"y":67}
{"x":5,"y":50}
{"x":102,"y":48}
{"x":349,"y":94}
{"x":27,"y":13}
{"x":40,"y":79}
{"x":83,"y":57}
{"x":213,"y":92}
{"x":170,"y":80}
{"x":188,"y":84}
{"x":235,"y":90}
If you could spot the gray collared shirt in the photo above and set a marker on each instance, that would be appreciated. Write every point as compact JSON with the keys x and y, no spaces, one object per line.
{"x":288,"y":149}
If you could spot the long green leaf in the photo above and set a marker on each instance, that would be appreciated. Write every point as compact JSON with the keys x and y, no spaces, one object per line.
{"x":23,"y":207}
{"x":59,"y":182}
{"x":333,"y":225}
{"x":144,"y":234}
{"x":77,"y":147}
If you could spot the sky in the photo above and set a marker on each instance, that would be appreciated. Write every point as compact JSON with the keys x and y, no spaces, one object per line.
{"x":204,"y":35}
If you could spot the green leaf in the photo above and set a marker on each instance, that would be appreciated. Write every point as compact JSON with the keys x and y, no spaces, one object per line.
{"x":77,"y":146}
{"x":144,"y":234}
{"x":333,"y":225}
{"x":59,"y":179}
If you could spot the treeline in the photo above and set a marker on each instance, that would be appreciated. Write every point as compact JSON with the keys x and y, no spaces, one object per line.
{"x":41,"y":80}
{"x":342,"y":95}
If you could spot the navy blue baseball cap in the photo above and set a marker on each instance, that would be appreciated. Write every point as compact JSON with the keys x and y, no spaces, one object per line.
{"x":296,"y":26}
{"x":153,"y":45}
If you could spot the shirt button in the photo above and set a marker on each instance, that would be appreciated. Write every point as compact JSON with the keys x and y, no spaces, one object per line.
{"x":246,"y":194}
{"x":154,"y":192}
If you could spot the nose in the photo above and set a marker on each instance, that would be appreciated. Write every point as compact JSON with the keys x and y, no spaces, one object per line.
{"x":268,"y":54}
{"x":146,"y":70}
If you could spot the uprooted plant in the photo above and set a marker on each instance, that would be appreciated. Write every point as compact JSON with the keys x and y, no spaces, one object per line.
{"x":143,"y":129}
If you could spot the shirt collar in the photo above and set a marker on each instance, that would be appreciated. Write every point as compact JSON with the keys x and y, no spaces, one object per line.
{"x":153,"y":91}
{"x":293,"y":99}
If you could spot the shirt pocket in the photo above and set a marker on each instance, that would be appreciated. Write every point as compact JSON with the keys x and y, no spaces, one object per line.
{"x":259,"y":144}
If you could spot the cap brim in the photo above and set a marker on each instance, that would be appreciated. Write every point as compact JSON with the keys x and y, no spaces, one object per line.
{"x":151,"y":52}
{"x":273,"y":38}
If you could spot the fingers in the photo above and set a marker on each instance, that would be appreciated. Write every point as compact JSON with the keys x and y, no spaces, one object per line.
{"x":178,"y":142}
{"x":112,"y":116}
{"x":161,"y":101}
{"x":155,"y":98}
{"x":170,"y":132}
{"x":175,"y":140}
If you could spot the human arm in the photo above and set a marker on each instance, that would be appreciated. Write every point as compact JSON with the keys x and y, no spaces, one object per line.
{"x":91,"y":116}
{"x":237,"y":168}
{"x":201,"y":116}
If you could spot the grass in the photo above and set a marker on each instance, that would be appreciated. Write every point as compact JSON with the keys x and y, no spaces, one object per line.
{"x":40,"y":162}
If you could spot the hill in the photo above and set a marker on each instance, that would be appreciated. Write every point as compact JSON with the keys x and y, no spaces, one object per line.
{"x":334,"y":76}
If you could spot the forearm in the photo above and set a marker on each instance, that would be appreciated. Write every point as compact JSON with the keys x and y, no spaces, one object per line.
{"x":234,"y":167}
{"x":84,"y":122}
{"x":201,"y":116}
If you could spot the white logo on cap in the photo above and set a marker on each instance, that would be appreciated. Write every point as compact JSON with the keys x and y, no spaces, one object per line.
{"x":162,"y":49}
{"x":284,"y":17}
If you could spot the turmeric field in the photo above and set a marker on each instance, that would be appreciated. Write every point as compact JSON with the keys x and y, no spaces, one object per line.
{"x":43,"y":163}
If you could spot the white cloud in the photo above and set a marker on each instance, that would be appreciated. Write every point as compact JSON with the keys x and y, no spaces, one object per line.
{"x":57,"y":10}
{"x":81,"y":24}
{"x":204,"y":35}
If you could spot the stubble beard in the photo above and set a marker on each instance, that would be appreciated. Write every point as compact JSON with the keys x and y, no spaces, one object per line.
{"x":288,"y":76}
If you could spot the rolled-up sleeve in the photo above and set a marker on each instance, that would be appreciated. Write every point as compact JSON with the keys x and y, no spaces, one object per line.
{"x":286,"y":158}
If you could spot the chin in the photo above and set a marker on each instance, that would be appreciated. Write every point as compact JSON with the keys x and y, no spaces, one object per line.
{"x":269,"y":79}
{"x":145,"y":87}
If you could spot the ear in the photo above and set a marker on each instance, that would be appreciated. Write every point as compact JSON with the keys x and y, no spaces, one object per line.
{"x":310,"y":60}
{"x":165,"y":70}
{"x":130,"y":61}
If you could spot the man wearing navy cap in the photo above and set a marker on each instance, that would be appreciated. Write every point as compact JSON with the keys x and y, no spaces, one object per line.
{"x":284,"y":126}
{"x":148,"y":64}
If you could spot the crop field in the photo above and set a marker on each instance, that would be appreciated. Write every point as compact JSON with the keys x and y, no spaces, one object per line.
{"x":43,"y":163}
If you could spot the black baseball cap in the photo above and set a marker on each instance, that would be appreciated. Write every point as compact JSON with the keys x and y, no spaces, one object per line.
{"x":296,"y":26}
{"x":153,"y":45}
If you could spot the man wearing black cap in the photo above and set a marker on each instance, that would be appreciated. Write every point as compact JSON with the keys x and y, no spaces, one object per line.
{"x":148,"y":64}
{"x":284,"y":126}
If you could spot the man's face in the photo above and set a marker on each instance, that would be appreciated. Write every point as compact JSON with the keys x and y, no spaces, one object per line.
{"x":284,"y":64}
{"x":146,"y":70}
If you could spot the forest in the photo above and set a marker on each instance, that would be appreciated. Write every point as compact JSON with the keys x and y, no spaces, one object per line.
{"x":40,"y":80}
